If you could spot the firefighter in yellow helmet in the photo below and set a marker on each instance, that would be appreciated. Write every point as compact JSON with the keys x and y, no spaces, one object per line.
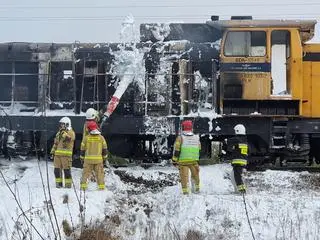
{"x":93,"y":152}
{"x":186,"y":155}
{"x":61,"y":151}
{"x":237,"y":152}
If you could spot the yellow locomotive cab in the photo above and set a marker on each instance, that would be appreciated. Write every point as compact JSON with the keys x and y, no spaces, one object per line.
{"x":264,"y":66}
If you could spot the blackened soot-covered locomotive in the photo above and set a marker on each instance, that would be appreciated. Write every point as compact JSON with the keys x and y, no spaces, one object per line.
{"x":260,"y":73}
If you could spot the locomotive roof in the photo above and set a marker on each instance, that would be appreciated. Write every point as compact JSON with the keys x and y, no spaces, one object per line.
{"x":306,"y":27}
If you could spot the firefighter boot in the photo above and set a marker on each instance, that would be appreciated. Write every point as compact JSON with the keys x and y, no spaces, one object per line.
{"x":195,"y":188}
{"x":67,"y":178}
{"x":185,"y":191}
{"x":242,"y":188}
{"x":57,"y":174}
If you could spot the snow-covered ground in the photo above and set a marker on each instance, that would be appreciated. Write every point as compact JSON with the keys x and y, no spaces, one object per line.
{"x":147,"y":204}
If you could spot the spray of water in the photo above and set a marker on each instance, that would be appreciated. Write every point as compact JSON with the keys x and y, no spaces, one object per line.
{"x":128,"y":63}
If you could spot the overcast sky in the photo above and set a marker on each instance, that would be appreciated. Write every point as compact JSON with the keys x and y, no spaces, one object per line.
{"x":100,"y":20}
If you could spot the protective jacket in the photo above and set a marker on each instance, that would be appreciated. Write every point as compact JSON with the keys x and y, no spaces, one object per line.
{"x":237,"y":150}
{"x":63,"y":143}
{"x":93,"y":149}
{"x":187,"y":148}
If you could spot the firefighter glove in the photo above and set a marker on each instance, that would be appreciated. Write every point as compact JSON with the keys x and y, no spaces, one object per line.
{"x":63,"y":134}
{"x":104,"y":120}
{"x":174,"y":163}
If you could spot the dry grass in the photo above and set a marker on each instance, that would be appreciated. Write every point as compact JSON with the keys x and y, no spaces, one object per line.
{"x":66,"y":228}
{"x":194,"y":235}
{"x":96,"y":234}
{"x":101,"y":230}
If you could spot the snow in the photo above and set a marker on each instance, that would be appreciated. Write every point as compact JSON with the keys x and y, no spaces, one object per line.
{"x":161,"y":31}
{"x":216,"y":44}
{"x":255,"y":113}
{"x":148,"y":202}
{"x":160,"y":126}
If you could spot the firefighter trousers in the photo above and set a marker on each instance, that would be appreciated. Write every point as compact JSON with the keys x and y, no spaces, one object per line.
{"x":62,"y":169}
{"x":237,"y":171}
{"x":184,"y":176}
{"x":87,"y":171}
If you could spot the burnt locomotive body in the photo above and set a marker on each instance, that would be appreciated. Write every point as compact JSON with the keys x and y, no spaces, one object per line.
{"x":184,"y":72}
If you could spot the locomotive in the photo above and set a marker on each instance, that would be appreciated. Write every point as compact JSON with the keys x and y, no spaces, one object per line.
{"x":261,"y":73}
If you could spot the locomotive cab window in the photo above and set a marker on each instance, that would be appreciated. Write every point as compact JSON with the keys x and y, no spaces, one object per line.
{"x":280,"y":62}
{"x":61,"y":81}
{"x":245,"y":44}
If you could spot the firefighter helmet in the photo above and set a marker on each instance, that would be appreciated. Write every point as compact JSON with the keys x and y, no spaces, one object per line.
{"x":187,"y":125}
{"x":91,"y":125}
{"x":239,"y":129}
{"x":66,"y":121}
{"x":91,"y":114}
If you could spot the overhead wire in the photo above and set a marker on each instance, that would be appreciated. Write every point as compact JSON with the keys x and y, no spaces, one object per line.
{"x":236,"y":4}
{"x":176,"y":17}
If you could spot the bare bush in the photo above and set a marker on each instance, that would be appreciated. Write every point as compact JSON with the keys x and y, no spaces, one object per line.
{"x":66,"y":228}
{"x":96,"y":234}
{"x":98,"y":230}
{"x":194,"y":235}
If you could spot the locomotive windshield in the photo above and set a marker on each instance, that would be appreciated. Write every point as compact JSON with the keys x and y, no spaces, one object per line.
{"x":245,"y":43}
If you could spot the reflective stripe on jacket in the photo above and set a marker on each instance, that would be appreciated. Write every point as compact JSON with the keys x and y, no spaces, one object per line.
{"x":190,"y":148}
{"x":241,"y":162}
{"x":94,"y":149}
{"x":238,"y":150}
{"x":63,"y":143}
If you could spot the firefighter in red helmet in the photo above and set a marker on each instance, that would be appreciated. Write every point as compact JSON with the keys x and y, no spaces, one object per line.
{"x":186,"y":156}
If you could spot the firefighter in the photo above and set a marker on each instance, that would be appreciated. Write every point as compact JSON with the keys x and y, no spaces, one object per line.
{"x":61,"y":151}
{"x":186,"y":156}
{"x":237,"y":150}
{"x":92,"y":119}
{"x":93,"y":152}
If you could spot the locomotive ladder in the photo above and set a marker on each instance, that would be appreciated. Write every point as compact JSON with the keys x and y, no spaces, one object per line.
{"x":278,"y":134}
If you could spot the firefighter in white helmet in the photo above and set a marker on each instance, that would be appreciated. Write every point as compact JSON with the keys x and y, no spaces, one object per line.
{"x":61,"y":151}
{"x":93,"y":152}
{"x":237,"y":152}
{"x":91,"y":123}
{"x":92,"y":119}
